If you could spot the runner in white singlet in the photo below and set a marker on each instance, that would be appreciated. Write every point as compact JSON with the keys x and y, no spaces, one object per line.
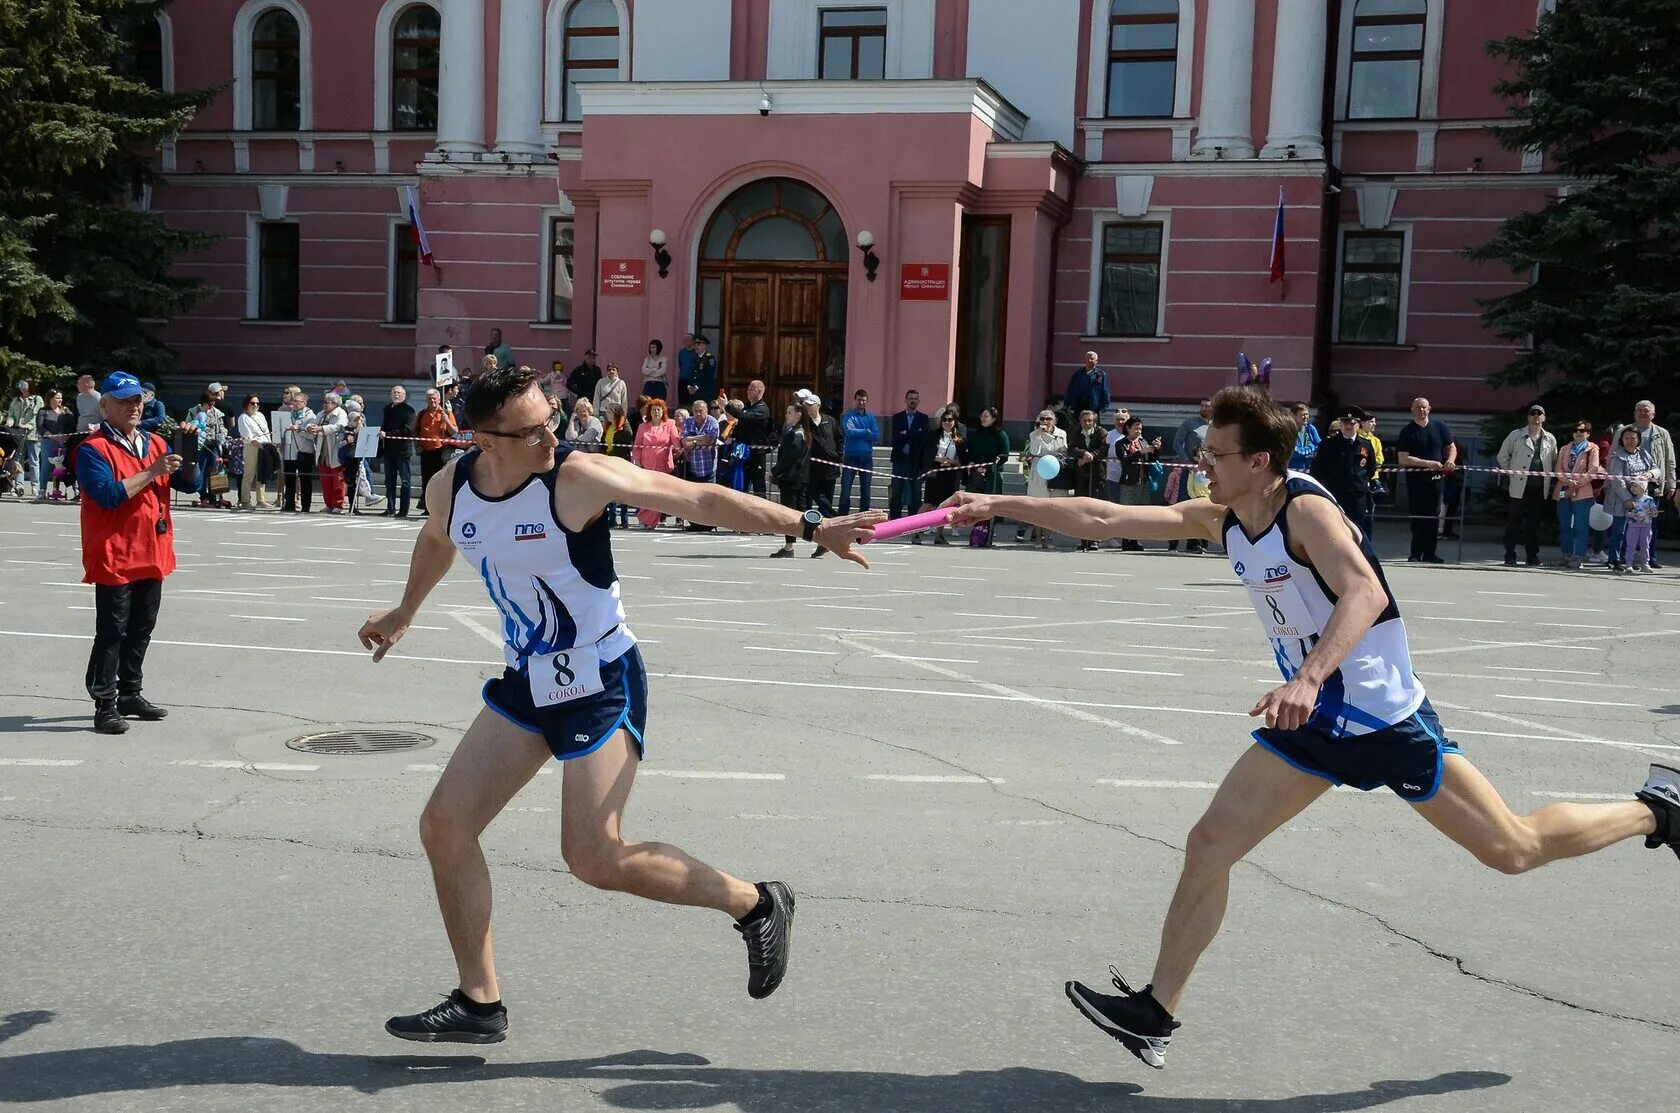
{"x":1350,"y":710}
{"x":527,"y":514}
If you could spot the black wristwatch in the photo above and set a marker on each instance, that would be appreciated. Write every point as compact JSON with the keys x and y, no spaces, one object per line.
{"x":812,"y":518}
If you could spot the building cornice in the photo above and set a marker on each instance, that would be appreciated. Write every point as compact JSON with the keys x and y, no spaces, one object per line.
{"x":804,"y":98}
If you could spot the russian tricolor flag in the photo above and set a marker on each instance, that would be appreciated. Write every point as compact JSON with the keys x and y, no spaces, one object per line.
{"x":421,"y":242}
{"x":1278,"y":268}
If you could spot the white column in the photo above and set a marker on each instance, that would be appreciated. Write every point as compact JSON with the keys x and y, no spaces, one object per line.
{"x":461,"y":78}
{"x":1298,"y":80}
{"x":1227,"y":82}
{"x":519,"y":78}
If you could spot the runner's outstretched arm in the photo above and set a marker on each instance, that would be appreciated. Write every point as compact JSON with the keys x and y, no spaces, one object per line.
{"x":591,"y":482}
{"x":1094,"y":519}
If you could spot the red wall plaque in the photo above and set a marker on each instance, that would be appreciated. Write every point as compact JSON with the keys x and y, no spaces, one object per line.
{"x":622,"y":277}
{"x":925,"y":282}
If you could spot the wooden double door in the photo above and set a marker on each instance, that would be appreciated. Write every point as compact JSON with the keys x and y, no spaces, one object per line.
{"x":784,"y":325}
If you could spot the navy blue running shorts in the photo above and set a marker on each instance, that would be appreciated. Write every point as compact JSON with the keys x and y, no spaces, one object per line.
{"x":582,"y":726}
{"x":1407,"y":757}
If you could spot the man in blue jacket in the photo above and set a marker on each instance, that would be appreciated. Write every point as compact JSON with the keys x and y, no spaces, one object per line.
{"x":909,"y":431}
{"x":862,"y":431}
{"x":1088,"y":389}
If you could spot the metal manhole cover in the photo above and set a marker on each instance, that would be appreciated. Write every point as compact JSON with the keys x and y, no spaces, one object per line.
{"x":361,"y":742}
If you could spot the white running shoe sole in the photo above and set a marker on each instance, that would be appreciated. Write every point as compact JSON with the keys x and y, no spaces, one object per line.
{"x":1152,"y":1050}
{"x":1663,"y":783}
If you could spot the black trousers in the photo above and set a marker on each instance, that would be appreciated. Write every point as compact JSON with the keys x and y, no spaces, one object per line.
{"x":754,"y":474}
{"x":795,"y":498}
{"x":123,"y":621}
{"x":1423,"y":504}
{"x":1522,"y":517}
{"x":300,"y":473}
{"x":1357,"y":506}
{"x":431,"y":462}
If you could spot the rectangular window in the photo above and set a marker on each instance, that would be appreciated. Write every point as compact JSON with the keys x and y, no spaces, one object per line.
{"x":277,"y":272}
{"x":1130,"y":297}
{"x":405,"y":276}
{"x":1371,"y":270}
{"x":560,"y":270}
{"x":853,"y":45}
{"x":1142,"y":64}
{"x":1386,"y":70}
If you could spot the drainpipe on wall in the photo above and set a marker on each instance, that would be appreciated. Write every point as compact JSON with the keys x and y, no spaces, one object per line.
{"x":1330,"y":215}
{"x":1076,"y":171}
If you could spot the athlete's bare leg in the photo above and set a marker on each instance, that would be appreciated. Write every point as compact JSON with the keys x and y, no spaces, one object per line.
{"x":1470,"y":812}
{"x":593,"y":795}
{"x":1261,"y":793}
{"x":493,"y":762}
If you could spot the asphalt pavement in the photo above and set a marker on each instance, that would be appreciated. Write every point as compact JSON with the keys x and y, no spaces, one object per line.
{"x":976,"y":768}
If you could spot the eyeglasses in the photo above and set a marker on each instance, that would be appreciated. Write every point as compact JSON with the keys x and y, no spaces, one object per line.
{"x":1047,"y":421}
{"x":1583,"y":430}
{"x":1206,"y":457}
{"x":1536,"y":413}
{"x":532,"y":436}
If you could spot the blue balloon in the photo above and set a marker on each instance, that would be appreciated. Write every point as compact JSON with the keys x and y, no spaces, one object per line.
{"x":1048,"y":467}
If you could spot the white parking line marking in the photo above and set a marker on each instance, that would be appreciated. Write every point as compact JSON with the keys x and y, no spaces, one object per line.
{"x":257,"y":766}
{"x":933,"y":779}
{"x":809,"y":652}
{"x":53,"y":762}
{"x":708,"y":775}
{"x":1557,"y":699}
{"x":1134,"y":672}
{"x":1127,"y":782}
{"x":1584,"y":795}
{"x":932,"y":660}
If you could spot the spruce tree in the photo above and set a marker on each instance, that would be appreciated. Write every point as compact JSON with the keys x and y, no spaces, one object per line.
{"x":1597,"y":87}
{"x":82,"y":268}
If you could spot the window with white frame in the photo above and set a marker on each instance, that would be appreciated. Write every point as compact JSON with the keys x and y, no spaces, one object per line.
{"x":405,"y":274}
{"x":589,"y":51}
{"x":1129,"y":290}
{"x":276,"y":73}
{"x":277,"y":271}
{"x":416,"y":43}
{"x":561,"y":241}
{"x":1372,"y":280}
{"x":1385,"y":77}
{"x":852,"y":44}
{"x":1142,"y":75}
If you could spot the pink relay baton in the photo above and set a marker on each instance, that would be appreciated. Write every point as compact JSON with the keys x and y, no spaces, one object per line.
{"x":911,"y":523}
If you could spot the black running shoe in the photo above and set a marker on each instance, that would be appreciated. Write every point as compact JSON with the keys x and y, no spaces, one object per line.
{"x":141,"y":708}
{"x":449,"y":1022}
{"x":1134,"y":1018}
{"x":769,"y":939}
{"x":1662,"y":795}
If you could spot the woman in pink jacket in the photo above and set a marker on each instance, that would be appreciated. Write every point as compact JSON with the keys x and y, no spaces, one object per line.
{"x":1578,"y":466}
{"x":657,"y":443}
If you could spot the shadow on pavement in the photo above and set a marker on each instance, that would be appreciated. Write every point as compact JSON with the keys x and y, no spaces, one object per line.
{"x":651,"y":1080}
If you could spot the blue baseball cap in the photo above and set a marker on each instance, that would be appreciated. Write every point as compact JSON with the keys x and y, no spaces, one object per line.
{"x":120,"y":384}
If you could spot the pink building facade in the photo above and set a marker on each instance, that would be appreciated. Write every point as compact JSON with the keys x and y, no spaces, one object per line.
{"x":1032,"y":181}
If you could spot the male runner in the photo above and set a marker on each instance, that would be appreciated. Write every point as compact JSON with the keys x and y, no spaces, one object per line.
{"x":1351,"y":710}
{"x":526,"y":512}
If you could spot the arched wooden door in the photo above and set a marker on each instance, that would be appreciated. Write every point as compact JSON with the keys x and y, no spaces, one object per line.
{"x":772,"y":291}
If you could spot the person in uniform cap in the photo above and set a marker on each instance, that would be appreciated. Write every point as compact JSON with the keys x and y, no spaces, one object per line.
{"x":1346,"y":465}
{"x":128,"y":547}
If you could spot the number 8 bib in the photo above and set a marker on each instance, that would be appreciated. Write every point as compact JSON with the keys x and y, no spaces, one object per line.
{"x":563,"y":677}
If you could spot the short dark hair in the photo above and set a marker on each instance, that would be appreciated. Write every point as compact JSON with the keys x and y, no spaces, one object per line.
{"x":1261,"y":424}
{"x":658,"y":346}
{"x":493,"y":389}
{"x":860,"y":393}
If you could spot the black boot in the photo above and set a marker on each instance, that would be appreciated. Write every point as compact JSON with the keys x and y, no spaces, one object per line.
{"x":107,"y":719}
{"x":141,"y":708}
